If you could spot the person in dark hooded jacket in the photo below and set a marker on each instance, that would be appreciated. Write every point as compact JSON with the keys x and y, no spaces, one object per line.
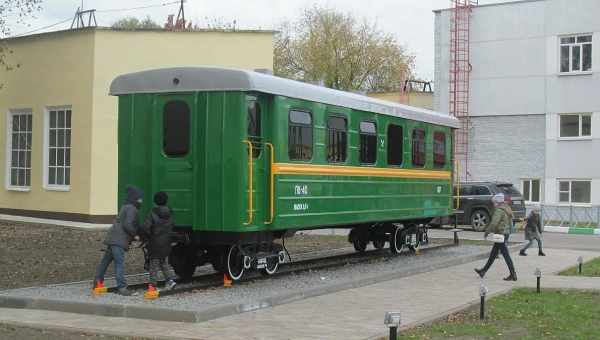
{"x":118,"y":238}
{"x":157,"y":228}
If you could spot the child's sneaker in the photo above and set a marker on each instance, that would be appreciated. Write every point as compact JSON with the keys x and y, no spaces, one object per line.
{"x":170,"y":285}
{"x":126,"y":292}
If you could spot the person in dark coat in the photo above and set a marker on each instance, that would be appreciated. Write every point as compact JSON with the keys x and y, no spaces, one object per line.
{"x":157,"y":228}
{"x":500,"y":225}
{"x":118,"y":238}
{"x":533,"y":231}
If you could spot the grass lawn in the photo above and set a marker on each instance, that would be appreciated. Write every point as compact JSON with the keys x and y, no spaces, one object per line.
{"x":522,"y":314}
{"x":590,"y":268}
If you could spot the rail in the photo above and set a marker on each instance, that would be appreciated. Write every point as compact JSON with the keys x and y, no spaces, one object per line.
{"x":271,"y":183}
{"x":250,"y":184}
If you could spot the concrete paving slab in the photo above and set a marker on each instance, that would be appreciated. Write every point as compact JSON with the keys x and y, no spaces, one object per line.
{"x":355,"y":313}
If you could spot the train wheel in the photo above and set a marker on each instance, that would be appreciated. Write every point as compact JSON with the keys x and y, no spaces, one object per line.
{"x":378,"y":244}
{"x":397,"y":240}
{"x":235,"y":263}
{"x":360,"y":245}
{"x":272,"y":266}
{"x":183,"y":262}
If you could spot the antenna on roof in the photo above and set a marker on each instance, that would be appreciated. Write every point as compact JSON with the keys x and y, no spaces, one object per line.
{"x":80,"y":16}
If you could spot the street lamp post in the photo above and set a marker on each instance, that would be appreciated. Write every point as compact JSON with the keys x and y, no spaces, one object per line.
{"x":538,"y":275}
{"x":392,"y":320}
{"x":482,"y":293}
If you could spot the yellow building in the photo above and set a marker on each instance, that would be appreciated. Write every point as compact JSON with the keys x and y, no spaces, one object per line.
{"x":414,"y":93}
{"x":60,"y":129}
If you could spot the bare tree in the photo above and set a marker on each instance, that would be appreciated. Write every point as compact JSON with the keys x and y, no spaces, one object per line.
{"x":13,"y":12}
{"x":336,"y":49}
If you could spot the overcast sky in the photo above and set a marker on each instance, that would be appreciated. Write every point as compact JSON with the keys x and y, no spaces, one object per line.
{"x":411,"y":21}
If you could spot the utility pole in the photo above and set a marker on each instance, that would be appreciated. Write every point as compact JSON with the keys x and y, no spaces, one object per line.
{"x":180,"y":22}
{"x":80,"y":22}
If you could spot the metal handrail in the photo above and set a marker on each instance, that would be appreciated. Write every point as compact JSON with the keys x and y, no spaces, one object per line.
{"x":250,"y":184}
{"x":271,"y":183}
{"x":457,"y":180}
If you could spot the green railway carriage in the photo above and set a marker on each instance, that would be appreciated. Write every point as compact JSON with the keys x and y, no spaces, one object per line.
{"x":248,"y":158}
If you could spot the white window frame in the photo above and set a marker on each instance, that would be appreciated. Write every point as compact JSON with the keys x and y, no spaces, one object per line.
{"x":9,"y":118}
{"x":570,"y":181}
{"x":571,"y":45}
{"x":530,"y":180}
{"x":579,"y":136}
{"x":47,"y":186}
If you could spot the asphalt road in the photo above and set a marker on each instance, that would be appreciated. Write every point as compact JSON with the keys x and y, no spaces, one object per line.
{"x":550,"y":240}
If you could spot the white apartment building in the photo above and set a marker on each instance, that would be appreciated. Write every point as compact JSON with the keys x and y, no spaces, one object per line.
{"x":534,"y":96}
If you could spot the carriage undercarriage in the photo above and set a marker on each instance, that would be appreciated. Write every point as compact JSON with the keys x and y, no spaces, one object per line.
{"x":261,"y":252}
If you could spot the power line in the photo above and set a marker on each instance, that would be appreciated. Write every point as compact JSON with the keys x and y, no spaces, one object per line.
{"x":100,"y":11}
{"x":41,"y":28}
{"x":136,"y":8}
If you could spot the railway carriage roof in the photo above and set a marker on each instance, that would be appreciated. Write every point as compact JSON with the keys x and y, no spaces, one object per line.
{"x":191,"y":79}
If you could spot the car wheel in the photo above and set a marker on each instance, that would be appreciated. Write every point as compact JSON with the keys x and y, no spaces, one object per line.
{"x":480,"y":219}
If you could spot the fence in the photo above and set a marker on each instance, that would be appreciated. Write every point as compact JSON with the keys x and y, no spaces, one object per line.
{"x":570,"y":216}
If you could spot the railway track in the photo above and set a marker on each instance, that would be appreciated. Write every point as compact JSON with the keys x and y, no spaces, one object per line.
{"x":301,"y":263}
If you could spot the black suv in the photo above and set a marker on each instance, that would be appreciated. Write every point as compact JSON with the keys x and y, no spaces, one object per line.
{"x":475,"y":202}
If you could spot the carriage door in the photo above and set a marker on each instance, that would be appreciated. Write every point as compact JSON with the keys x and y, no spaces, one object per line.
{"x":260,"y":161}
{"x":172,"y":157}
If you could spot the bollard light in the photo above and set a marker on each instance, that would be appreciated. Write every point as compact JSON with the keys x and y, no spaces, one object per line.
{"x":482,"y":293}
{"x":392,"y":320}
{"x":580,"y":264}
{"x":538,"y":275}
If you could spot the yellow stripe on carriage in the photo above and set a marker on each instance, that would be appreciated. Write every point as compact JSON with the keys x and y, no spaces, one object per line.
{"x":341,"y":170}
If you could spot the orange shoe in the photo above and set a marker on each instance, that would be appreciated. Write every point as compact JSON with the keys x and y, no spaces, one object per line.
{"x":151,"y":293}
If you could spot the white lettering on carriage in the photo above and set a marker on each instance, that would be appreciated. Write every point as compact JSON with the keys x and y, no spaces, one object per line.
{"x":301,"y":190}
{"x":300,"y":206}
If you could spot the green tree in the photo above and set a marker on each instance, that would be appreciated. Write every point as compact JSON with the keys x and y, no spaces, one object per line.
{"x":340,"y":51}
{"x":132,"y":23}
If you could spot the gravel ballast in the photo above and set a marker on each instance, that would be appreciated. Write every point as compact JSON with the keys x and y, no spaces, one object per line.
{"x":36,"y":254}
{"x":253,"y":294}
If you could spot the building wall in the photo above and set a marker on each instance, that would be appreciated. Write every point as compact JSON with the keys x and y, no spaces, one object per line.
{"x":118,"y":52}
{"x":55,"y":69}
{"x":76,"y":68}
{"x":507,"y":148}
{"x":515,"y":60}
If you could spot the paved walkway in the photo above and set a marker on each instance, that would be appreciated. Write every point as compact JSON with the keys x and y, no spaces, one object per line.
{"x":350,"y":314}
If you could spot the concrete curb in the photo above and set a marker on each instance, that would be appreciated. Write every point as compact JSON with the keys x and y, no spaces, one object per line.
{"x":571,"y":230}
{"x":164,"y":314}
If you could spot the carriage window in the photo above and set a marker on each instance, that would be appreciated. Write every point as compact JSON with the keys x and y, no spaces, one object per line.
{"x":439,"y":149}
{"x":418,"y":148}
{"x":395,"y":139}
{"x":176,"y":128}
{"x":254,"y":132}
{"x":300,"y":136}
{"x":337,"y":129}
{"x":368,"y":143}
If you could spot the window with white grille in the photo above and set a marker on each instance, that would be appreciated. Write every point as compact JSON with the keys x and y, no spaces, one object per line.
{"x":576,"y":53}
{"x":19,"y":131}
{"x":531,"y":190}
{"x":575,"y":191}
{"x":577,"y":125}
{"x":58,"y":148}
